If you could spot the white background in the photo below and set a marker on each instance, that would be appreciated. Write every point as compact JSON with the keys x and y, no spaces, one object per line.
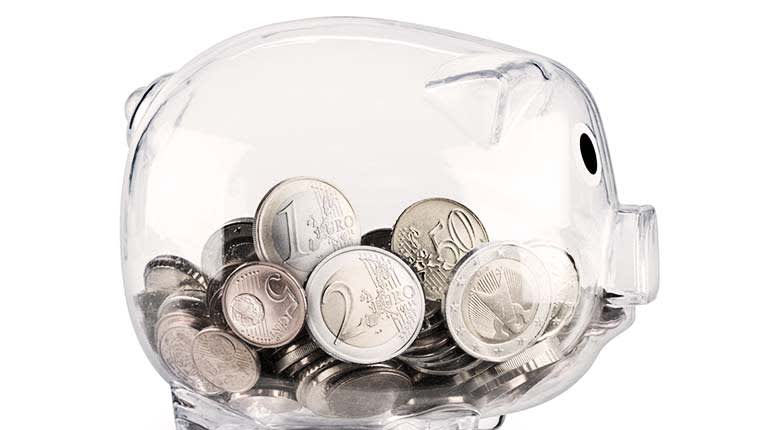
{"x":680,"y":89}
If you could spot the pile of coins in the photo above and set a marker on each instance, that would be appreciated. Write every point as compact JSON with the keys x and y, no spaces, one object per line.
{"x":294,"y":309}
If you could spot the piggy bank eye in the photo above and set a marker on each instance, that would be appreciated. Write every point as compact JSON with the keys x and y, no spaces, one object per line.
{"x":589,"y":156}
{"x":585,"y":154}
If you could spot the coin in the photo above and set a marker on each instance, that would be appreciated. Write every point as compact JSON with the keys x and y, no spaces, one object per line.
{"x":175,"y":334}
{"x":231,"y":244}
{"x":379,"y":238}
{"x":169,"y":273}
{"x":293,"y":355}
{"x":433,"y":310}
{"x":564,"y":285}
{"x":431,"y":354}
{"x":272,"y":397}
{"x":334,"y":389}
{"x":365,"y":305}
{"x":303,"y":363}
{"x":306,"y":378}
{"x":148,"y":303}
{"x":432,"y":235}
{"x":507,"y":378}
{"x":225,"y":361}
{"x":457,"y":362}
{"x":434,"y":352}
{"x":192,"y":302}
{"x":263,"y":304}
{"x":486,"y":395}
{"x":421,"y":403}
{"x":384,"y":389}
{"x":498,"y":301}
{"x":537,"y":356}
{"x":430,"y":326}
{"x":214,"y":296}
{"x":302,"y":220}
{"x":427,"y":343}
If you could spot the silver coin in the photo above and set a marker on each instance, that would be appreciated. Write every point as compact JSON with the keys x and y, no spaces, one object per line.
{"x":367,"y":392}
{"x":431,"y":325}
{"x":274,"y":397}
{"x":307,"y":380}
{"x":498,"y":301}
{"x":433,"y":310}
{"x":365,"y":305}
{"x":461,"y":378}
{"x":379,"y":238}
{"x":515,"y":376}
{"x":263,"y":304}
{"x":427,"y":343}
{"x":302,"y":364}
{"x":231,"y":244}
{"x":293,"y":355}
{"x":489,"y":394}
{"x":432,"y":235}
{"x":192,"y":302}
{"x":335,"y":389}
{"x":535,"y":357}
{"x":300,"y":221}
{"x":170,"y":273}
{"x":431,"y":354}
{"x":564,"y":285}
{"x":175,"y":335}
{"x":214,"y":296}
{"x":148,"y":303}
{"x":225,"y":361}
{"x":456,"y":363}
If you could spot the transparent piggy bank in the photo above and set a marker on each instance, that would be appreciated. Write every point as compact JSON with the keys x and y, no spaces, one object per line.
{"x":360,"y":223}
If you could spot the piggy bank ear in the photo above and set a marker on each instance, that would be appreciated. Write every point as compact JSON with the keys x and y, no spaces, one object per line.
{"x":483,"y":95}
{"x":136,"y":103}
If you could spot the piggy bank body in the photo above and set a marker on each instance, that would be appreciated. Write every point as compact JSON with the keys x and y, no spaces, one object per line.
{"x":390,"y":114}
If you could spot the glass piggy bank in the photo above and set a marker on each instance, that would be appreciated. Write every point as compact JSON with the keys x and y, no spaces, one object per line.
{"x":359,"y":223}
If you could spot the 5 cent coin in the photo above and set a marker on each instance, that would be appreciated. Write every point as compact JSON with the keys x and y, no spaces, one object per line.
{"x":263,"y":304}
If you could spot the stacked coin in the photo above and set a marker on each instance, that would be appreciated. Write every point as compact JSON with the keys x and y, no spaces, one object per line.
{"x":226,"y":249}
{"x":434,"y":352}
{"x":330,"y":388}
{"x":269,"y":397}
{"x":380,"y":238}
{"x":489,"y":382}
{"x":291,"y":359}
{"x":214,"y":294}
{"x":169,"y":273}
{"x":334,"y":315}
{"x":179,"y":323}
{"x":232,"y":244}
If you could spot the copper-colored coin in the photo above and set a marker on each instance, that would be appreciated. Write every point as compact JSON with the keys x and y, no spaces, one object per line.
{"x":263,"y":304}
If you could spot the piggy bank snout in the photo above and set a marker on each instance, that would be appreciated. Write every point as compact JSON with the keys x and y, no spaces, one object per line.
{"x":633,"y":278}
